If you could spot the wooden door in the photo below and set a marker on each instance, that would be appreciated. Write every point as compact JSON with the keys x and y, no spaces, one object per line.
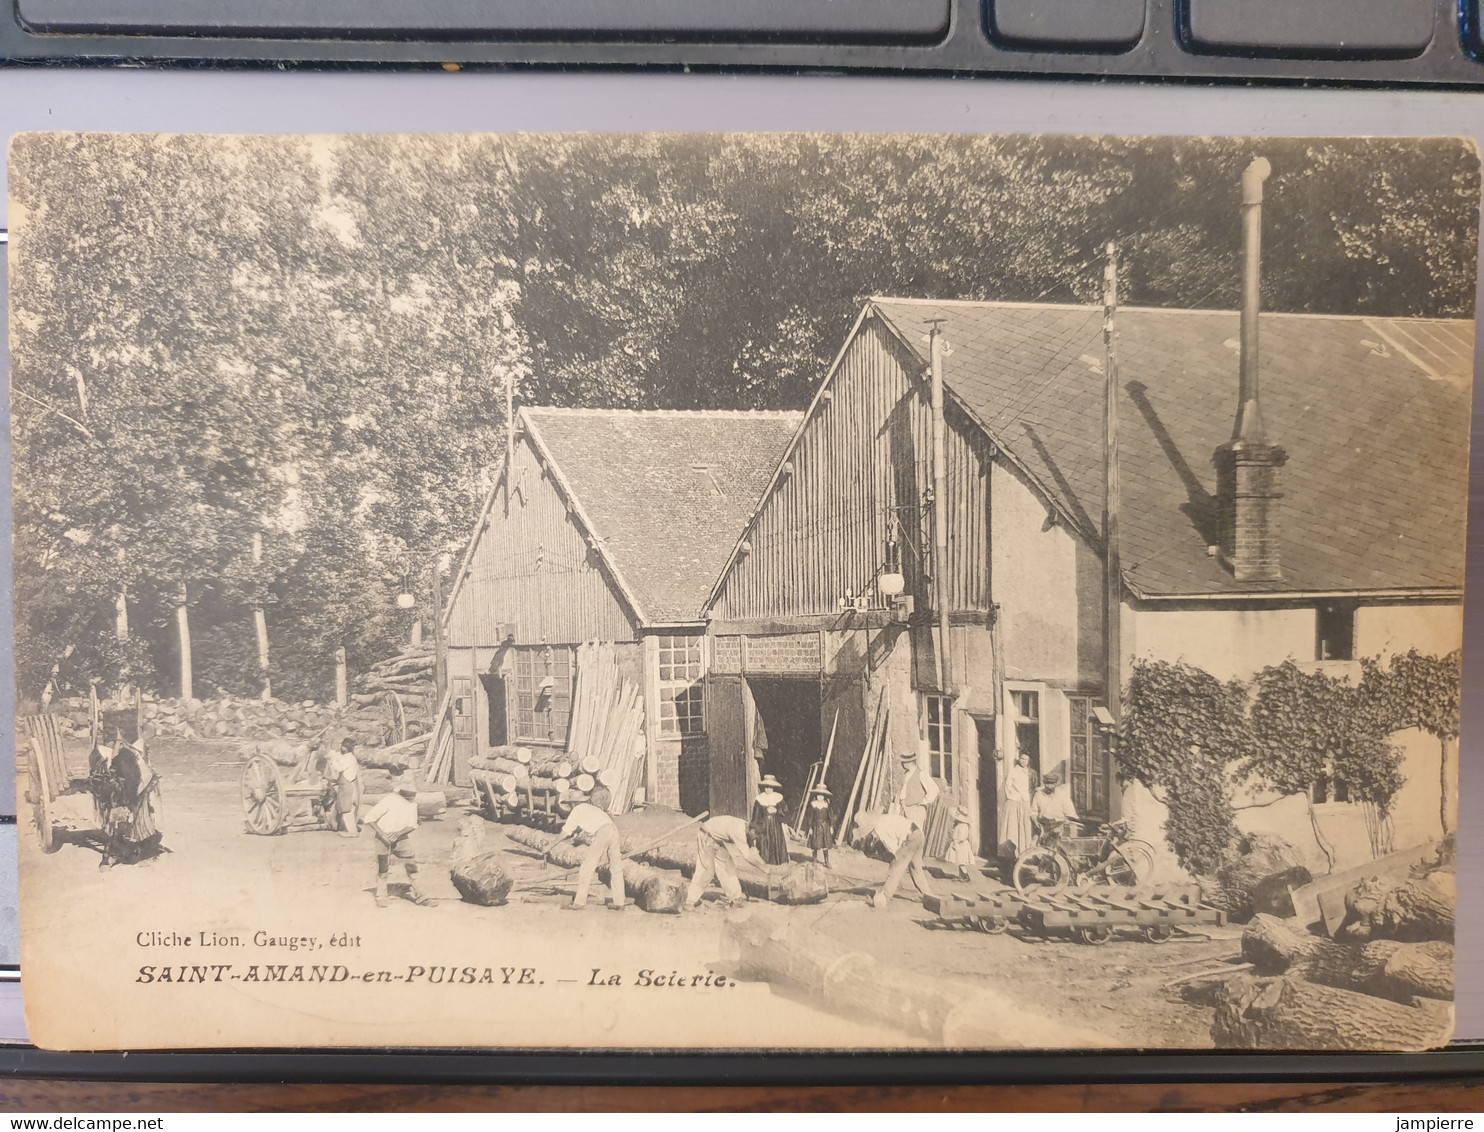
{"x":726,"y":735}
{"x":462,"y":706}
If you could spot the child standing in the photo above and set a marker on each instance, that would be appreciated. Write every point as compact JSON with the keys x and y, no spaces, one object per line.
{"x":960,"y":850}
{"x":817,"y":823}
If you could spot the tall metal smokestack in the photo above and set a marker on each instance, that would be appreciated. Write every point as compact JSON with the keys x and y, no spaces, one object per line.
{"x":1247,"y":468}
{"x":1249,"y":406}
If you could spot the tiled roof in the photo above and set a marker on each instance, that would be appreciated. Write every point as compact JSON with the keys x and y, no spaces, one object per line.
{"x":667,"y":492}
{"x":1373,"y":413}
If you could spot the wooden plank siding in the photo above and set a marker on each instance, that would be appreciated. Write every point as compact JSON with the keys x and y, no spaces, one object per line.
{"x":864,"y":454}
{"x":533,"y":568}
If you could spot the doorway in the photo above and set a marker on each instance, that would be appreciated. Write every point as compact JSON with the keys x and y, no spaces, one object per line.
{"x":789,"y":709}
{"x":494,"y":697}
{"x":989,"y":788}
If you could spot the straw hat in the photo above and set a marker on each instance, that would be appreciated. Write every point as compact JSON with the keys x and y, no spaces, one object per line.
{"x":770,"y":781}
{"x":821,"y":789}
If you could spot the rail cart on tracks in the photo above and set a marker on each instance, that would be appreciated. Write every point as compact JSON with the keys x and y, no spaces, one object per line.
{"x":1091,"y":915}
{"x":272,"y":803}
{"x":989,"y":914}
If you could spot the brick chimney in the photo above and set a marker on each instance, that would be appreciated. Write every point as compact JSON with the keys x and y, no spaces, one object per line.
{"x":1247,"y":467}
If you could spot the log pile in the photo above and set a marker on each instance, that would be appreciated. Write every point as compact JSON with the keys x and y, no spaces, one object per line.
{"x":409,"y":674}
{"x":653,"y":890}
{"x":1384,"y":982}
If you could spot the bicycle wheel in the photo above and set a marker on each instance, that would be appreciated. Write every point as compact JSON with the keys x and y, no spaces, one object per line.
{"x":1043,"y":870}
{"x":1140,"y":858}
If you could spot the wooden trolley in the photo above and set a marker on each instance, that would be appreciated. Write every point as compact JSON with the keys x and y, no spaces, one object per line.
{"x":990,"y":914}
{"x":1091,"y":915}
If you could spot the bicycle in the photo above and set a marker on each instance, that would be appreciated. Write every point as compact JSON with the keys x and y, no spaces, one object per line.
{"x":1059,"y":859}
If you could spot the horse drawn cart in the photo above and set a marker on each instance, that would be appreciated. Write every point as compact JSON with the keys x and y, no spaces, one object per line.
{"x":117,"y":780}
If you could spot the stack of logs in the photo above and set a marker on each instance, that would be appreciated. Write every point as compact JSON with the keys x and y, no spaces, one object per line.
{"x":537,"y":781}
{"x":409,"y":674}
{"x":1384,"y":982}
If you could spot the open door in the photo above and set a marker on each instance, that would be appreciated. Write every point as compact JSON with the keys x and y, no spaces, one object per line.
{"x":726,"y":733}
{"x":989,"y":788}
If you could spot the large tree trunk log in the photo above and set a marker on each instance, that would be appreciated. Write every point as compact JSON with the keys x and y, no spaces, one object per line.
{"x":1388,"y":968}
{"x":837,"y":978}
{"x":653,"y":890}
{"x":479,"y":874}
{"x":1417,"y":909}
{"x":1403,"y":971}
{"x":1289,"y":1013}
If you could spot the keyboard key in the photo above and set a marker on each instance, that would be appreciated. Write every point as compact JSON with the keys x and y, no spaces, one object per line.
{"x":731,"y":19}
{"x":1067,"y":25}
{"x":1319,"y":27}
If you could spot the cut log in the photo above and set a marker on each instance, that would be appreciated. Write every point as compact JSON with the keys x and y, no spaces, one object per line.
{"x":653,"y":890}
{"x":1290,"y":1013}
{"x":1273,"y":948}
{"x":1402,"y":971}
{"x":1416,"y":909}
{"x":1387,"y":968}
{"x":480,"y":874}
{"x":843,"y":980}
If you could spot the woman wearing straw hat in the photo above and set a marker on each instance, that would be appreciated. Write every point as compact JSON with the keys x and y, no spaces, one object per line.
{"x":767,"y":822}
{"x":818,"y":823}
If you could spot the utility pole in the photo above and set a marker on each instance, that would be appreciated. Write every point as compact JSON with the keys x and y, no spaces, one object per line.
{"x":1112,"y":566}
{"x":509,"y":438}
{"x":940,"y":509}
{"x":183,"y":630}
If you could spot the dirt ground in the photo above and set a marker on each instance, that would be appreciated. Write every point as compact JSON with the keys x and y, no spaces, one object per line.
{"x":234,"y":877}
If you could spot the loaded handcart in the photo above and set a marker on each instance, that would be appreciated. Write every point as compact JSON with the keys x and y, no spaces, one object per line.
{"x":304,"y":800}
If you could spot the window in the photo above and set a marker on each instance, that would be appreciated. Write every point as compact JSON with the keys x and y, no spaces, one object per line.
{"x":1334,"y":632}
{"x":1090,"y":762}
{"x":1327,"y":789}
{"x":543,"y":693}
{"x":938,"y":717}
{"x":1026,"y":709}
{"x":682,"y":696}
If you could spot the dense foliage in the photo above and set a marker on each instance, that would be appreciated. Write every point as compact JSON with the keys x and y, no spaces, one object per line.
{"x":308,"y":338}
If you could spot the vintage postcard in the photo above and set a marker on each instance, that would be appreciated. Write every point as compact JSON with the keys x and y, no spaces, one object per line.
{"x":739,"y":591}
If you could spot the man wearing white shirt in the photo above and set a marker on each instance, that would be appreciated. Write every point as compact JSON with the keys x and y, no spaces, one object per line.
{"x":589,"y":820}
{"x":392,"y":820}
{"x":1051,"y":806}
{"x":916,"y":794}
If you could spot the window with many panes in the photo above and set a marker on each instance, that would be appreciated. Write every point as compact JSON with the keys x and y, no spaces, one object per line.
{"x":938,"y":720}
{"x":543,"y":693}
{"x":1089,"y":762}
{"x":1026,"y":715}
{"x":682,"y":700}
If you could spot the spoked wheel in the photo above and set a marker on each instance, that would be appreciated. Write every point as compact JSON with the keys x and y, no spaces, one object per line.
{"x":393,"y":719}
{"x":991,"y":925}
{"x":1041,"y":869}
{"x":1137,"y":864}
{"x":1093,"y":934}
{"x":38,"y":793}
{"x":1158,"y":933}
{"x":262,"y":795}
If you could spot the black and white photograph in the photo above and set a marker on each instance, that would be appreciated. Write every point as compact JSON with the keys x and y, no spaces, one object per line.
{"x":739,"y":591}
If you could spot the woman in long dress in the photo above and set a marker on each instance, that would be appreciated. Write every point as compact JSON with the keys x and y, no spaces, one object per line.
{"x":1015,"y":834}
{"x":767,"y":822}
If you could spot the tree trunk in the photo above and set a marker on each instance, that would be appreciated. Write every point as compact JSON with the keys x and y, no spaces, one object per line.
{"x":440,"y":658}
{"x":1444,"y":794}
{"x":1289,"y":1013}
{"x":1386,"y":968}
{"x":183,"y":629}
{"x":1324,"y":846}
{"x":340,"y":678}
{"x":653,"y":890}
{"x":260,"y":623}
{"x":1417,"y":909}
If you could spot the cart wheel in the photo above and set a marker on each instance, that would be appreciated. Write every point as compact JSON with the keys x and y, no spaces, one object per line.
{"x":38,"y":793}
{"x":1158,"y":933}
{"x":1041,"y":869}
{"x":262,"y":795}
{"x":393,"y":719}
{"x":991,"y":925}
{"x":1093,"y":934}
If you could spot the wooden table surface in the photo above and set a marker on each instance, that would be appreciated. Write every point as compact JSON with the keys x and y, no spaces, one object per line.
{"x":53,"y":1096}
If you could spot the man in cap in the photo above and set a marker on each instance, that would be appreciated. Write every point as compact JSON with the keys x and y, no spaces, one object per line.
{"x":392,"y":820}
{"x":590,"y":821}
{"x":916,"y":794}
{"x":343,"y":771}
{"x":1051,"y":805}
